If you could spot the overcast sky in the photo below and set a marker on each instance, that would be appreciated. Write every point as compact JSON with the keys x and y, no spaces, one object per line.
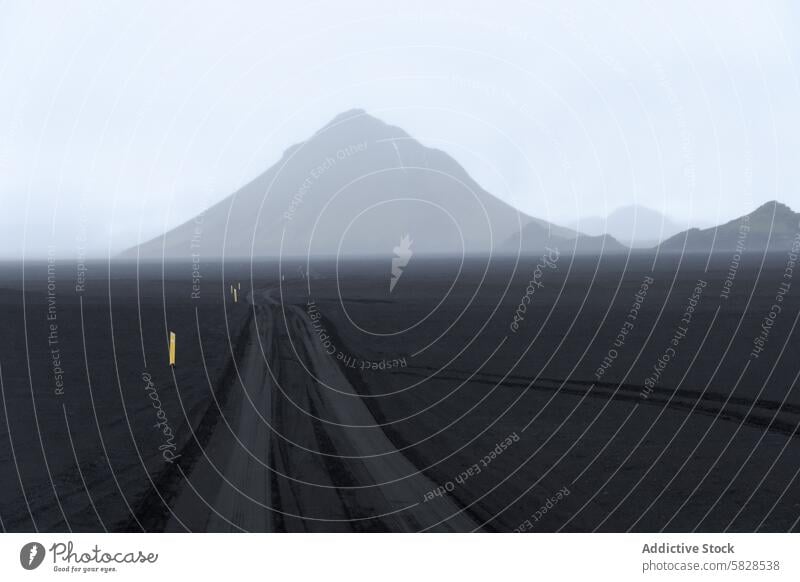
{"x":121,"y":120}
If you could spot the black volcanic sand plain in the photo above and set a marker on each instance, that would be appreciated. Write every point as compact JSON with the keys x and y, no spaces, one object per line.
{"x":321,"y":401}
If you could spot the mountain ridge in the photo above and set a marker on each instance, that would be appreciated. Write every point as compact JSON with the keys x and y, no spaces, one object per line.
{"x":773,"y":226}
{"x":355,"y":187}
{"x":633,"y":225}
{"x":358,"y":185}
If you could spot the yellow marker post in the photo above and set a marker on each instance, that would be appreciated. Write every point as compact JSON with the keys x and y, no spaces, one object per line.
{"x":235,"y":296}
{"x":172,"y":349}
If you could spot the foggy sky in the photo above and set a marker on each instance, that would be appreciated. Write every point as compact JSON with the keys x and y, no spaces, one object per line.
{"x":119,"y":121}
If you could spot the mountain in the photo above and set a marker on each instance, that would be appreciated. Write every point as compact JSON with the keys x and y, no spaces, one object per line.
{"x":772,"y":226}
{"x":357,"y":186}
{"x":634,"y":226}
{"x":537,"y":235}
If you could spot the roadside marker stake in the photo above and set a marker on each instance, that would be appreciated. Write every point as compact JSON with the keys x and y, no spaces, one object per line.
{"x":172,"y":349}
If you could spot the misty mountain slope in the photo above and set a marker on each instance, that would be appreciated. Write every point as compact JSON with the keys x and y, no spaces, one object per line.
{"x":772,"y":226}
{"x":536,"y":236}
{"x":634,"y":226}
{"x":357,"y":186}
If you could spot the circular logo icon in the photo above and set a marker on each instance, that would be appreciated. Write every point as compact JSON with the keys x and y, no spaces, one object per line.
{"x":31,"y":555}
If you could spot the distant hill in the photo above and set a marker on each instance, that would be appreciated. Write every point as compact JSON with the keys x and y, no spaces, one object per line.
{"x":772,"y":226}
{"x":634,"y":226}
{"x":357,"y":186}
{"x":536,"y":236}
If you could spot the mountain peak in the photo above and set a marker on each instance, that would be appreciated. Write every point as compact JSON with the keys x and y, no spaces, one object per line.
{"x":348,"y":128}
{"x":633,"y":225}
{"x":354,"y":187}
{"x":635,"y":209}
{"x":771,"y":227}
{"x":344,"y":115}
{"x":357,"y":124}
{"x":773,"y":206}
